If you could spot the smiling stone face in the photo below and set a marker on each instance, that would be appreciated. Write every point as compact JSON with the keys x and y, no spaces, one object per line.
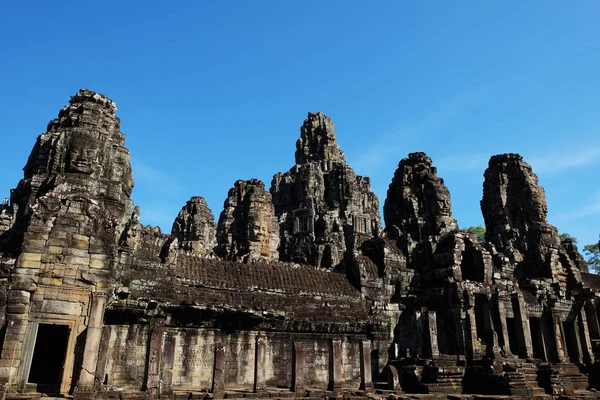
{"x":247,"y":228}
{"x":83,"y":154}
{"x":81,"y":160}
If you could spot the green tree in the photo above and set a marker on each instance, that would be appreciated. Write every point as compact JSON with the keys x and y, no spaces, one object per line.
{"x":479,"y":231}
{"x":565,"y":235}
{"x":592,"y":256}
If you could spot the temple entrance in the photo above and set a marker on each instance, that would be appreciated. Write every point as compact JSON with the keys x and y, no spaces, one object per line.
{"x":571,"y":341}
{"x":512,"y":336}
{"x":49,"y":357}
{"x":482,"y":318}
{"x":537,"y":341}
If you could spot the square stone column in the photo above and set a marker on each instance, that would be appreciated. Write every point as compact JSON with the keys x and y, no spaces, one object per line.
{"x":336,"y":374}
{"x":470,"y":327}
{"x":366,"y":383}
{"x":561,"y":348}
{"x":85,"y":385}
{"x":576,"y":337}
{"x":592,"y":319}
{"x":259,"y":363}
{"x":419,"y":316}
{"x":299,"y":366}
{"x":103,"y":352}
{"x":167,"y":362}
{"x":586,"y":342}
{"x":218,"y":388}
{"x":503,"y":335}
{"x":157,"y":330}
{"x":522,"y":325}
{"x":461,"y":342}
{"x":434,"y":349}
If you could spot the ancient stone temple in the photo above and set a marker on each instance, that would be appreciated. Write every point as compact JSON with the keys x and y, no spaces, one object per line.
{"x":296,"y":291}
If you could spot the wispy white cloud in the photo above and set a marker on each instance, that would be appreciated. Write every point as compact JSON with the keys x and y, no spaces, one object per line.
{"x":550,"y":162}
{"x":151,"y":179}
{"x":158,"y":214}
{"x":559,"y":160}
{"x":591,"y":208}
{"x":399,"y":141}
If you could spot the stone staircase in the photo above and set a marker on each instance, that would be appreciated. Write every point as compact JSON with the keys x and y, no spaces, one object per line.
{"x":443,"y":375}
{"x":522,"y":380}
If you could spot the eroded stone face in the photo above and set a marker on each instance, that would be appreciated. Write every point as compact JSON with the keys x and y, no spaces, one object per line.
{"x":247,"y":228}
{"x":514,"y":209}
{"x":83,"y":141}
{"x":318,"y":141}
{"x":194,"y":228}
{"x":324,"y":209}
{"x":417,"y":208}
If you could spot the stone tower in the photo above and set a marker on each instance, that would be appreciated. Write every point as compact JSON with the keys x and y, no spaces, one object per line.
{"x":70,"y":208}
{"x":324,"y":209}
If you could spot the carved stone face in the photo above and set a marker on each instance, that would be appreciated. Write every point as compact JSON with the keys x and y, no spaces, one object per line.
{"x":444,"y":206}
{"x":441,"y":203}
{"x":81,"y":160}
{"x":82,"y":155}
{"x":256,"y":231}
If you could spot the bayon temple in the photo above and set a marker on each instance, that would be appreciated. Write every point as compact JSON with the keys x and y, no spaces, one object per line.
{"x":295,"y":291}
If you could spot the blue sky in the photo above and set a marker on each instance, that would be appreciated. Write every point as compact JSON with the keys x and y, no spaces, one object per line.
{"x":214,"y":91}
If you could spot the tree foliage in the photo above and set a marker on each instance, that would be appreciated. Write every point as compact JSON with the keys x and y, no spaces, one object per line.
{"x":564,"y":236}
{"x":479,"y":231}
{"x":592,"y":256}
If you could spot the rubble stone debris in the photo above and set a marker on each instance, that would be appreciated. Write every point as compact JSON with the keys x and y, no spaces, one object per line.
{"x":296,"y":291}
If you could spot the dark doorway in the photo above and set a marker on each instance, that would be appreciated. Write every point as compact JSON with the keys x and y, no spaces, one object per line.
{"x":49,"y":356}
{"x":481,"y":310}
{"x":512,"y":336}
{"x":536,"y":338}
{"x":571,"y":341}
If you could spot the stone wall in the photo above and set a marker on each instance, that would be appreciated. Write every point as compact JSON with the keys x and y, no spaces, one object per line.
{"x":296,"y":292}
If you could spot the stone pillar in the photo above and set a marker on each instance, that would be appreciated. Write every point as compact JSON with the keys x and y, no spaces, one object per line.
{"x":157,"y":330}
{"x":542,"y":339}
{"x":434,"y":349}
{"x":585,"y":337}
{"x":418,"y":332}
{"x":561,"y":350}
{"x":592,"y":319}
{"x":492,"y":349}
{"x":259,"y":363}
{"x":28,"y":346}
{"x":102,"y":357}
{"x":85,"y":385}
{"x":461,"y":341}
{"x":503,"y":336}
{"x":577,"y":339}
{"x":167,"y":361}
{"x":336,"y":374}
{"x":522,"y":325}
{"x":218,"y":388}
{"x":366,"y":383}
{"x":299,"y":366}
{"x":471,"y":343}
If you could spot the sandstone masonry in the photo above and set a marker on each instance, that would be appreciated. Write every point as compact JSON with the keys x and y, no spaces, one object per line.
{"x":296,"y":291}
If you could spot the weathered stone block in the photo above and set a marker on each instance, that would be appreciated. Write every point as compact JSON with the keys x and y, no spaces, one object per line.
{"x":30,"y":257}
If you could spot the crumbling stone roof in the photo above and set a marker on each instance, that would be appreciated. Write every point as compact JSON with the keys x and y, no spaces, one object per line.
{"x":280,"y":277}
{"x":591,"y":280}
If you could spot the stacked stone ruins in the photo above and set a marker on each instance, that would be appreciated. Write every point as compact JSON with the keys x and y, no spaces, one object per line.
{"x":294,"y":292}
